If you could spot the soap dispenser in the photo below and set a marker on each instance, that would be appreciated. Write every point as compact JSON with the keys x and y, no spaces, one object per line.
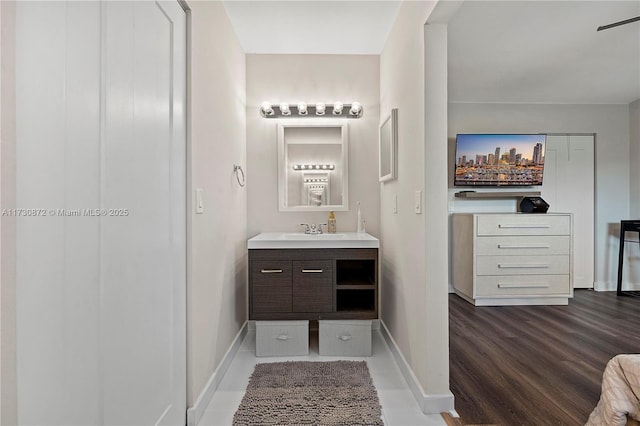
{"x":331,"y":223}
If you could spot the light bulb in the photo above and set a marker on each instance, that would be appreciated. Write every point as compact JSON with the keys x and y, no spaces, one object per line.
{"x":337,"y":108}
{"x":266,"y":109}
{"x":320,"y":108}
{"x":284,"y":109}
{"x":356,"y":109}
{"x":302,"y":108}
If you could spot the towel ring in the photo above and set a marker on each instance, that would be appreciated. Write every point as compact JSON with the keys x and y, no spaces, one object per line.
{"x":235,"y":169}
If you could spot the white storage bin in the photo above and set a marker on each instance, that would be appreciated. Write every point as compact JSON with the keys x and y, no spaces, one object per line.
{"x":282,"y":338}
{"x":345,"y":337}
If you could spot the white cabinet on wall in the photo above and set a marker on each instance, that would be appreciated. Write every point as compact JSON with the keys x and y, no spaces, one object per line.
{"x":512,"y":258}
{"x":569,"y":187}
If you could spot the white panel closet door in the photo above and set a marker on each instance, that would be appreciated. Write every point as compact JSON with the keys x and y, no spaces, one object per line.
{"x":100,"y":122}
{"x":143,"y":254}
{"x":57,"y":269}
{"x":569,"y":187}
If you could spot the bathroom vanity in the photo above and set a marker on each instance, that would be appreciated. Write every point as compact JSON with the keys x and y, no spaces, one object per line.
{"x":295,"y":276}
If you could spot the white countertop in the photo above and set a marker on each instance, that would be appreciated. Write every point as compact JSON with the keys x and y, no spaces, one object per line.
{"x":291,"y":240}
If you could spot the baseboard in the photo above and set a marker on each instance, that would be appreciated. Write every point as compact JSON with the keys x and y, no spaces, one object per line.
{"x":601,"y":286}
{"x":195,"y":413}
{"x":429,"y":403}
{"x":613,"y":286}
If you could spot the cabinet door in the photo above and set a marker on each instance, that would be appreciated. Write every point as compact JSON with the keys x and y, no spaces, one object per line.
{"x":271,"y":291}
{"x":569,"y":187}
{"x":312,"y":286}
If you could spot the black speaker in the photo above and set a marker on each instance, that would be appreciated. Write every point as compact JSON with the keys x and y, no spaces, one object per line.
{"x":533,"y":205}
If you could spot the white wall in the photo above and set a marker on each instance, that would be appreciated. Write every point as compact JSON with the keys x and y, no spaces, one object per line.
{"x":8,"y":376}
{"x":312,"y":78}
{"x":634,"y":159}
{"x":631,"y":268}
{"x":611,"y":125}
{"x":1,"y":86}
{"x":414,"y":246}
{"x":217,"y":252}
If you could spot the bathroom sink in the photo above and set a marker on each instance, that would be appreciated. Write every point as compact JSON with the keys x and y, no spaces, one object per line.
{"x":301,"y":236}
{"x":284,"y":240}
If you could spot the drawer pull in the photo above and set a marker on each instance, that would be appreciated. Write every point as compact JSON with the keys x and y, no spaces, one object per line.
{"x":522,"y":265}
{"x":271,"y":271}
{"x":312,"y":271}
{"x":523,"y":246}
{"x":530,"y":285}
{"x":345,"y":337}
{"x":517,"y":226}
{"x":282,"y":337}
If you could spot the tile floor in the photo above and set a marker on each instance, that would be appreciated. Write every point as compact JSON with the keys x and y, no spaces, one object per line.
{"x":399,"y":407}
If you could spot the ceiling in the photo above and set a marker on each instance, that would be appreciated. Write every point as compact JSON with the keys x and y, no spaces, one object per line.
{"x":544,"y":52}
{"x":499,"y":51}
{"x":312,"y":27}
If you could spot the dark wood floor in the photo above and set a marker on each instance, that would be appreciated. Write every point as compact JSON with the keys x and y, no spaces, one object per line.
{"x":537,"y":365}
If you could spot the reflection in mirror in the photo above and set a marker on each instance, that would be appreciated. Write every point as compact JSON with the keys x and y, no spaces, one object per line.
{"x":312,"y":172}
{"x":316,"y":190}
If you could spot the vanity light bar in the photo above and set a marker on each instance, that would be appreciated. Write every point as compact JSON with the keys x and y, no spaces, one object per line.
{"x":302,"y":109}
{"x":314,"y":167}
{"x":315,"y":180}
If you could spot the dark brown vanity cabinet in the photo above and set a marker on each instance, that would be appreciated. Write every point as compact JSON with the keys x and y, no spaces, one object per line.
{"x":272,"y":285}
{"x":313,"y":284}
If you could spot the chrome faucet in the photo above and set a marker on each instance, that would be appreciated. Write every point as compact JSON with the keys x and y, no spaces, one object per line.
{"x":312,"y":228}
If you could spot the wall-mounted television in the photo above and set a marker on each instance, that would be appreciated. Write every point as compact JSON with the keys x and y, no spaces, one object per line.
{"x":499,"y":159}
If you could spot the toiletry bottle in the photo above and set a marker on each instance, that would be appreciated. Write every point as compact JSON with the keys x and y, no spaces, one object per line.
{"x":331,"y":223}
{"x":360,"y":224}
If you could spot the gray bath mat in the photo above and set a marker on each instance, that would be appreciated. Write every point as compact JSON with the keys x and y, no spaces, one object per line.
{"x":310,"y":393}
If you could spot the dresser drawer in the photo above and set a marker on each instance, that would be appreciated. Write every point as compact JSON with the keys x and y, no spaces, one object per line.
{"x":522,"y":265}
{"x":523,"y":224}
{"x":532,"y":245}
{"x":524,"y":285}
{"x":271,"y":273}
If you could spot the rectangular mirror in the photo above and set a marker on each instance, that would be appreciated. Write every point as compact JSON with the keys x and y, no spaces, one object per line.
{"x":312,"y":166}
{"x":388,"y":145}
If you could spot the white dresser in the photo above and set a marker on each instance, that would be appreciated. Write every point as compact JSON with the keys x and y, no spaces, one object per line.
{"x":512,"y":258}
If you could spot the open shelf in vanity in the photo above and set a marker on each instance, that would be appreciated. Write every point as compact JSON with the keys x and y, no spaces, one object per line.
{"x":356,"y":285}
